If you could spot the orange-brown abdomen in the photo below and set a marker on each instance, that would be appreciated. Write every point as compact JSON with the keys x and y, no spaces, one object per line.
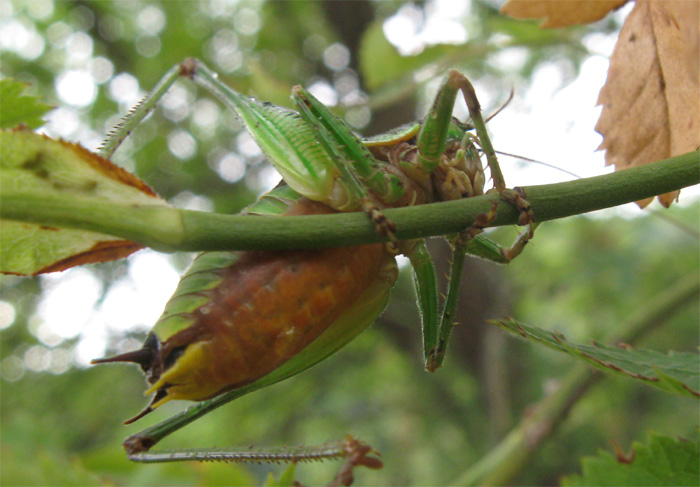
{"x":268,"y":307}
{"x":237,"y":316}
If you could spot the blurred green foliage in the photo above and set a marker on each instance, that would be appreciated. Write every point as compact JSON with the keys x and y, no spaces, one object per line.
{"x":19,"y":109}
{"x":582,"y":276}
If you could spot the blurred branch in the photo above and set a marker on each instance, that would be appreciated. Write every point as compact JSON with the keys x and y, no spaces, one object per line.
{"x":506,"y":460}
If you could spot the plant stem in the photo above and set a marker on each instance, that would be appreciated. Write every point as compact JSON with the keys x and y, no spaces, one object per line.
{"x":170,"y":229}
{"x":506,"y":460}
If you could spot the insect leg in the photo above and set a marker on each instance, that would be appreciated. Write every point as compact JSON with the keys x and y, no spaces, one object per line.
{"x":426,"y":290}
{"x":456,"y":80}
{"x":461,"y":247}
{"x":318,"y":157}
{"x":355,"y":453}
{"x":138,"y":113}
{"x":349,"y":447}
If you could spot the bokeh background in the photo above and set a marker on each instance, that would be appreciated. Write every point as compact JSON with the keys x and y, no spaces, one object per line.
{"x":378,"y":63}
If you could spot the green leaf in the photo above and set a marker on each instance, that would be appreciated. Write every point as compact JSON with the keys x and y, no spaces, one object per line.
{"x":16,"y":109}
{"x":663,"y":462}
{"x":33,"y":166}
{"x":675,"y":372}
{"x":49,"y":467}
{"x":286,"y":478}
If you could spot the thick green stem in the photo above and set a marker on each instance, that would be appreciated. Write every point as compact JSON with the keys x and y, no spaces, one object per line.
{"x":157,"y":226}
{"x":507,"y":459}
{"x":172,"y":229}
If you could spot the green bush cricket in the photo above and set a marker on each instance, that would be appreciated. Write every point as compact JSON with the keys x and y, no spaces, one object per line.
{"x":240,"y":321}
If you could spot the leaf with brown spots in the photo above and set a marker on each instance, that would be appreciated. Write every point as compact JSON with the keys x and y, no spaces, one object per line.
{"x":560,"y":13}
{"x":678,"y":373}
{"x":651,"y":99}
{"x":33,"y":165}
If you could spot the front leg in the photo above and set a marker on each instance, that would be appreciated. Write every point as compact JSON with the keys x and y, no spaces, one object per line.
{"x":457,"y":81}
{"x":436,"y":333}
{"x":425,"y":283}
{"x":463,"y":166}
{"x":432,"y":140}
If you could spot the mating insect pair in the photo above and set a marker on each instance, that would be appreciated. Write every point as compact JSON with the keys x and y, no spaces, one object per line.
{"x":239,"y":321}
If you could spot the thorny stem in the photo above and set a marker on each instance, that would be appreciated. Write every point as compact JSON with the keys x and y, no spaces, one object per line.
{"x":170,"y":229}
{"x":503,"y":463}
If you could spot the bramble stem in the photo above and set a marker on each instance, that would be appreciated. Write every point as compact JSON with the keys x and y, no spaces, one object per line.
{"x":170,"y":229}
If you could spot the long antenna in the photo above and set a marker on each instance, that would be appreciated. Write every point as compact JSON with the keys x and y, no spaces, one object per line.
{"x":541,"y":163}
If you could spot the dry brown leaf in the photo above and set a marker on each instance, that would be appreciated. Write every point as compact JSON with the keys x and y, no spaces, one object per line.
{"x":102,"y":251}
{"x":560,"y":13}
{"x":651,"y":99}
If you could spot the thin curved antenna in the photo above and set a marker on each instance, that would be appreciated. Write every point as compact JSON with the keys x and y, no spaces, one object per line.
{"x":541,"y":163}
{"x":507,"y":102}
